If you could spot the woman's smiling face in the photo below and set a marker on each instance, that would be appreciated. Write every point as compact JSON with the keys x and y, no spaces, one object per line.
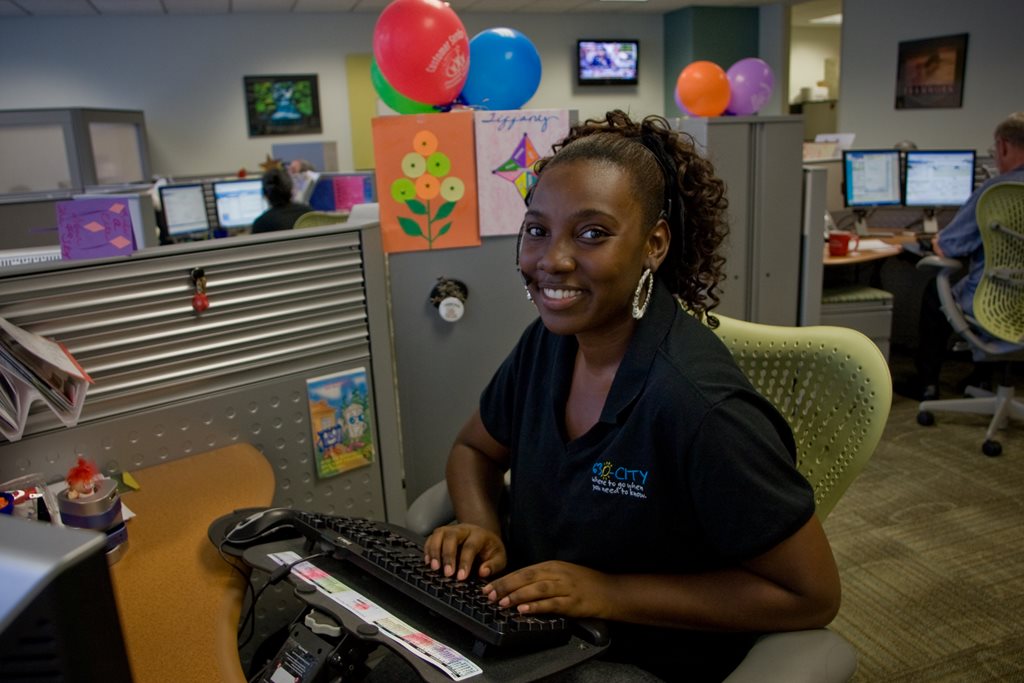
{"x":584,"y":246}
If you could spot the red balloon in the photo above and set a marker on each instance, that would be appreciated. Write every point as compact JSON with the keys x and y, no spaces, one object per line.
{"x":703,"y":88}
{"x":422,"y":50}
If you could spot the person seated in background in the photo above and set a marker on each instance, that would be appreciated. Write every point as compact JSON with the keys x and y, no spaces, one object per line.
{"x":651,"y":485}
{"x":961,"y":239}
{"x":283,"y":212}
{"x":302,"y":174}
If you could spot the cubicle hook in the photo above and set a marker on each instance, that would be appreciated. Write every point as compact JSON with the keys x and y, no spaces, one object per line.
{"x":449,"y":298}
{"x":200,"y":302}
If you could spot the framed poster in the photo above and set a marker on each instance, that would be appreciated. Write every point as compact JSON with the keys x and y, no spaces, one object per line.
{"x":282,"y":105}
{"x":931,"y":73}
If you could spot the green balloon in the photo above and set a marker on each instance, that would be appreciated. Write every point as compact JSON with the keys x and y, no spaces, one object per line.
{"x":395,"y":99}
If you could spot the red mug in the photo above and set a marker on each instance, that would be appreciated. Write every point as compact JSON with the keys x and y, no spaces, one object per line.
{"x":839,"y":243}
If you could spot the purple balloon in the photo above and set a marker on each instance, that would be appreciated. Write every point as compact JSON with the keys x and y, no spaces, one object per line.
{"x":679,"y":103}
{"x":750,"y":86}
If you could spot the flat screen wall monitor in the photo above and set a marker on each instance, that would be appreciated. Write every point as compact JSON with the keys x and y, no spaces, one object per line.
{"x":239,"y":202}
{"x":184,"y":208}
{"x":871,"y":178}
{"x":938,"y":178}
{"x":607,"y":61}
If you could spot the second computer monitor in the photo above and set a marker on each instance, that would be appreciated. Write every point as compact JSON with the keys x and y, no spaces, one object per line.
{"x":184,"y":209}
{"x":871,"y":178}
{"x":239,"y":202}
{"x":937,"y":178}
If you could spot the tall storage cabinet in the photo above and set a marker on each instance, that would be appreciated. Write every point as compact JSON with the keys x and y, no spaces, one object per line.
{"x":759,"y":158}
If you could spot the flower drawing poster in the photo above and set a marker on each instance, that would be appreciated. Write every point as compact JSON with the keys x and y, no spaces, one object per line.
{"x":426,"y":181}
{"x":339,"y":415}
{"x":508,"y":144}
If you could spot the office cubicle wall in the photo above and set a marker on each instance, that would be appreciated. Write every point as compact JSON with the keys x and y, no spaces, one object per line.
{"x":759,"y":158}
{"x":285,"y":307}
{"x":442,"y":367}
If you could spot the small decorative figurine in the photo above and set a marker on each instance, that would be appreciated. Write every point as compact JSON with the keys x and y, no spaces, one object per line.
{"x":82,"y":478}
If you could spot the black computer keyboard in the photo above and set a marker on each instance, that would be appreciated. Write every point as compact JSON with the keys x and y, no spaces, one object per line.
{"x":395,"y":556}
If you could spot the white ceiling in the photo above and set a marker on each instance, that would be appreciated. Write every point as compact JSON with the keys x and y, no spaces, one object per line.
{"x":177,"y":7}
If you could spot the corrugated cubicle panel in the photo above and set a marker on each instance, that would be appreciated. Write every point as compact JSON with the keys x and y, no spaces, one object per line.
{"x":284,"y":308}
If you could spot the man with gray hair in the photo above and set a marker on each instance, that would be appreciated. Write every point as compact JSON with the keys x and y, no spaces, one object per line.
{"x":961,"y":238}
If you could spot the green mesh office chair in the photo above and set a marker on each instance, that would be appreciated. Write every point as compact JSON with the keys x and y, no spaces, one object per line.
{"x":315,"y":219}
{"x":832,"y":385}
{"x":996,"y":332}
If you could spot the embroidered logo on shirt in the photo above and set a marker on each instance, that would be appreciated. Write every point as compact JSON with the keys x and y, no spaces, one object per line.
{"x":608,"y":478}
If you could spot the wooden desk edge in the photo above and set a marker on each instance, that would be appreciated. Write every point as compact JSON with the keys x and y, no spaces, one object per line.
{"x":171,"y":606}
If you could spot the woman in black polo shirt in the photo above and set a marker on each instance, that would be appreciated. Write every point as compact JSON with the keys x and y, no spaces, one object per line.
{"x":651,"y":485}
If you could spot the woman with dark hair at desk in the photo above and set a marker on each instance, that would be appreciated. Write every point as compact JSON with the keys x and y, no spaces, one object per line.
{"x":651,"y":485}
{"x":283,"y":212}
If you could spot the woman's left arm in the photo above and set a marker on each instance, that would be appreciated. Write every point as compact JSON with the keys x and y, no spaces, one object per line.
{"x":792,"y":586}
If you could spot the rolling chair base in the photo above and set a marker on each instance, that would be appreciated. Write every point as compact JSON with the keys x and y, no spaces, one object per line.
{"x":1001,"y":405}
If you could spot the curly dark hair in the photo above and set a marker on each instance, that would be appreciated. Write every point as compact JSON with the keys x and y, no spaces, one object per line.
{"x":694,"y":205}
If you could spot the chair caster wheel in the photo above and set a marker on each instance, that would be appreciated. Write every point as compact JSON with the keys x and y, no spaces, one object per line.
{"x":925,"y":418}
{"x":992,"y":448}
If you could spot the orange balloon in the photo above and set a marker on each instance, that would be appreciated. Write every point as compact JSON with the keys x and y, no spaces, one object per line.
{"x":703,"y":88}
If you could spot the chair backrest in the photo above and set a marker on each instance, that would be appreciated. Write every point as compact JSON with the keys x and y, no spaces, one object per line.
{"x":833,"y":387}
{"x":999,"y":299}
{"x":315,"y":219}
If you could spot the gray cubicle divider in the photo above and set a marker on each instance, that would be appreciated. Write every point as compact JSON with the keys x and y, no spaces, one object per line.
{"x":285,"y":307}
{"x":759,"y":158}
{"x":442,"y":367}
{"x":812,"y":244}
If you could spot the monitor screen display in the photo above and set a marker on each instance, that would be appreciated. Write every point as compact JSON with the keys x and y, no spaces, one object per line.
{"x":871,"y":177}
{"x":938,"y":177}
{"x":342,"y":191}
{"x":239,"y":202}
{"x":184,"y":209}
{"x":607,"y":62}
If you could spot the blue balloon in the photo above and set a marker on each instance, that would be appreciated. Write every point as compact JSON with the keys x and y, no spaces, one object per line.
{"x":504,"y":70}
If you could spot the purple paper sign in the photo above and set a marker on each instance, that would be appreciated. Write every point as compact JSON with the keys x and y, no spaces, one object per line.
{"x":94,"y":228}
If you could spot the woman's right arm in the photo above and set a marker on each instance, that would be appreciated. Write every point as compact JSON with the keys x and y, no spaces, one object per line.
{"x":475,"y":476}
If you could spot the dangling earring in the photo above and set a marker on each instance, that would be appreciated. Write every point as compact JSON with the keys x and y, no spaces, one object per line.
{"x":638,"y":310}
{"x":529,"y":297}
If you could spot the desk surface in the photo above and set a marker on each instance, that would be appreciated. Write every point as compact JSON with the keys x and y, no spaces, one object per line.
{"x":896,"y":243}
{"x":179,"y":602}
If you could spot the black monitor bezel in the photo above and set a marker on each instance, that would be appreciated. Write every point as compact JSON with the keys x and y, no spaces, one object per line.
{"x":899,"y":179}
{"x":581,"y":81}
{"x":233,"y":181}
{"x":935,"y":152}
{"x":183,"y":233}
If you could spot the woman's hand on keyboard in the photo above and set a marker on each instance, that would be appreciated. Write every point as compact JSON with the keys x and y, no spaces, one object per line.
{"x":553,"y":587}
{"x":454,"y":549}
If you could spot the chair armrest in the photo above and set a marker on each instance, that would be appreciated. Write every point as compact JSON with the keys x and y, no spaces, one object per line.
{"x":812,"y":656}
{"x":941,"y":262}
{"x":431,"y":509}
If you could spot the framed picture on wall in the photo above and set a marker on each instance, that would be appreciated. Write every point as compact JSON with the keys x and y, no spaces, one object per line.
{"x":282,"y":105}
{"x":931,"y":73}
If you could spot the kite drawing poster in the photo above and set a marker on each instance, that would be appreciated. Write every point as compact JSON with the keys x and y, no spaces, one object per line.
{"x":426,"y":181}
{"x":508,"y":144}
{"x":339,"y":414}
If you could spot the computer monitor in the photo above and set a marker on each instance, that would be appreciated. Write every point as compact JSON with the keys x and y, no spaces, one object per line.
{"x":871,"y":178}
{"x":58,"y":611}
{"x":239,"y":202}
{"x":342,"y":191}
{"x":938,"y":178}
{"x":184,"y":209}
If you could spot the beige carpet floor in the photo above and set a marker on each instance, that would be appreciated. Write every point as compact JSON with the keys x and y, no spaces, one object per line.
{"x":930,"y":545}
